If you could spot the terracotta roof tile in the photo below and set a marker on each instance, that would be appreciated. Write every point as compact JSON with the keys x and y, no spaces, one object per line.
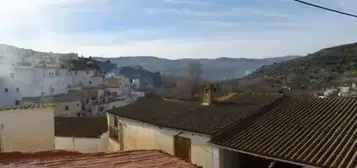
{"x":28,"y":106}
{"x":310,"y":131}
{"x":66,"y":159}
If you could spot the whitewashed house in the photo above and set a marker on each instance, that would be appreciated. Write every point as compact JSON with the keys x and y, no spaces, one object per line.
{"x":27,"y":128}
{"x":83,"y":77}
{"x":83,"y":134}
{"x":183,"y":128}
{"x":26,"y":81}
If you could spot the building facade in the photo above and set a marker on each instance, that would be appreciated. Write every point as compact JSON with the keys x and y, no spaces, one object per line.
{"x":27,"y":128}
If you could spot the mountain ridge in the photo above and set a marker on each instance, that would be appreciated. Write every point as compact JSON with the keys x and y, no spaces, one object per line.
{"x":213,"y":69}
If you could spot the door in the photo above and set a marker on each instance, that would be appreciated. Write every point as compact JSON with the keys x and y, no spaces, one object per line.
{"x":182,"y":147}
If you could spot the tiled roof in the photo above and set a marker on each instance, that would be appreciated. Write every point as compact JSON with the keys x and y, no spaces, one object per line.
{"x":308,"y":131}
{"x":217,"y":117}
{"x":66,"y":159}
{"x":27,"y":106}
{"x":192,"y":116}
{"x":154,"y":111}
{"x":85,"y":127}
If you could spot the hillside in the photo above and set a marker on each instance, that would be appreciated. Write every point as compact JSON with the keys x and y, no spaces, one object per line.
{"x":213,"y":69}
{"x":328,"y":67}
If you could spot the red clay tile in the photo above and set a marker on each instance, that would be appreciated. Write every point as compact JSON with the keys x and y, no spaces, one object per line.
{"x":67,"y":159}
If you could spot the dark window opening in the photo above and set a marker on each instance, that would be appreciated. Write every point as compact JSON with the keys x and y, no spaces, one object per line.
{"x":6,"y":90}
{"x":17,"y":89}
{"x":90,"y":82}
{"x":78,"y":114}
{"x":17,"y":102}
{"x":94,"y":98}
{"x":66,"y":108}
{"x":101,"y":108}
{"x":84,"y":114}
{"x":115,"y":122}
{"x":87,"y":72}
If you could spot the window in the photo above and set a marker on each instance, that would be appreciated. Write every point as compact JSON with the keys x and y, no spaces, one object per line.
{"x":94,"y":98}
{"x":115,"y":122}
{"x":57,"y":72}
{"x":101,"y":108}
{"x":87,"y":72}
{"x":77,"y":104}
{"x":66,"y":108}
{"x":17,"y":89}
{"x":90,"y":82}
{"x":6,"y":90}
{"x":12,"y":75}
{"x":114,"y":129}
{"x":84,"y":114}
{"x":78,"y":114}
{"x":76,"y":72}
{"x":52,"y":89}
{"x":17,"y":102}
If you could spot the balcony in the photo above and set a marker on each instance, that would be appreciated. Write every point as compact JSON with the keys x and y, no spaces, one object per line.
{"x":114,"y":133}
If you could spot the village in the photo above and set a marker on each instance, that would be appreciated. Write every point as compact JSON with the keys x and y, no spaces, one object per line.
{"x":52,"y":112}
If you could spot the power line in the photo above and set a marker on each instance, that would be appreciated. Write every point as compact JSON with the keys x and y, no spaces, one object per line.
{"x":324,"y":8}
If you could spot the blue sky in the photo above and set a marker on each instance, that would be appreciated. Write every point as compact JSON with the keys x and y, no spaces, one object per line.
{"x":176,"y":28}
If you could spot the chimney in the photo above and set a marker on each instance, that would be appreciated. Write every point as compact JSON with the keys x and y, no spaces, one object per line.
{"x":208,"y":94}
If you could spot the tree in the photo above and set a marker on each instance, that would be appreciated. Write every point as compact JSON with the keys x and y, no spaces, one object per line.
{"x":195,"y":71}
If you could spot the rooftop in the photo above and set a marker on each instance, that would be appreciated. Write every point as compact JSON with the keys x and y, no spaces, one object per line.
{"x":27,"y":106}
{"x":56,"y":159}
{"x":154,"y":111}
{"x":84,"y":127}
{"x":308,"y":131}
{"x":192,"y":116}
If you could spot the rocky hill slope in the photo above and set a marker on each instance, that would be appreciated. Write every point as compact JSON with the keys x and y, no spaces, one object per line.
{"x":328,"y":67}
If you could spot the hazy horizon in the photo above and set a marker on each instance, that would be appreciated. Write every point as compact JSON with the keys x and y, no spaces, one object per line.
{"x":176,"y":29}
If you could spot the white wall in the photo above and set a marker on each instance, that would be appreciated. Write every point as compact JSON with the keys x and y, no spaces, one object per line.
{"x":82,"y":77}
{"x":86,"y":145}
{"x":73,"y":109}
{"x":34,"y":81}
{"x":145,"y":136}
{"x":27,"y":130}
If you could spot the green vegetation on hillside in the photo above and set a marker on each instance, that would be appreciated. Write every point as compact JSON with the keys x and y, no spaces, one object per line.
{"x":328,"y":67}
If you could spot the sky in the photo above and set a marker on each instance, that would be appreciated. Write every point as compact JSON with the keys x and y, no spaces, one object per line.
{"x":176,"y":28}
